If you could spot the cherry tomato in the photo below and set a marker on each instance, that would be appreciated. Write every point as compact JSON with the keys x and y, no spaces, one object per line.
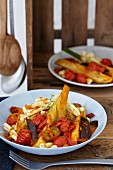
{"x":63,"y":124}
{"x":42,"y":124}
{"x":71,"y":142}
{"x":96,"y":67}
{"x":14,"y":109}
{"x":60,"y":141}
{"x":102,"y":69}
{"x":106,"y":61}
{"x":93,"y":66}
{"x":81,"y":78}
{"x":12,"y":119}
{"x":24,"y":137}
{"x":70,"y":75}
{"x":38,"y":119}
{"x":64,"y":127}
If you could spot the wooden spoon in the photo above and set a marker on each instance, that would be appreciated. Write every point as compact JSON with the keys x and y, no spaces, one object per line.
{"x":10,"y":51}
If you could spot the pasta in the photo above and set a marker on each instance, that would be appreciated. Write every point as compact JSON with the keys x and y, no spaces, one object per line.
{"x":50,"y":123}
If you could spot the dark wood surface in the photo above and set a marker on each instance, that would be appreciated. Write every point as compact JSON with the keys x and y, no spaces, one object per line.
{"x":101,"y":147}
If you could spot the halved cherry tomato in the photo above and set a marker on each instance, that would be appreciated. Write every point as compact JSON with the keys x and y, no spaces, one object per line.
{"x":71,"y":142}
{"x":60,"y":141}
{"x":38,"y":119}
{"x":42,"y":124}
{"x":64,"y":127}
{"x":96,"y":67}
{"x":70,"y":75}
{"x":80,"y":78}
{"x":63,"y":124}
{"x":12,"y":119}
{"x":24,"y":137}
{"x":14,"y":109}
{"x":106,"y":61}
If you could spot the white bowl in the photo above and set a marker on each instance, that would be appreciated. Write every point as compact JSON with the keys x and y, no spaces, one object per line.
{"x":29,"y":97}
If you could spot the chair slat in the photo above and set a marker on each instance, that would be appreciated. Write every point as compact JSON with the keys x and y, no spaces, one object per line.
{"x":29,"y":40}
{"x":104,"y":23}
{"x":74,"y":22}
{"x":43,"y":25}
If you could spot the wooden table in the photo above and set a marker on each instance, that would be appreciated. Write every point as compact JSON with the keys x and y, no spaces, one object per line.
{"x":101,"y":147}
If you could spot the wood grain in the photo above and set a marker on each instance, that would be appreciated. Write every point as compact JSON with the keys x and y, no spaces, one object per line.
{"x":29,"y":41}
{"x":74,"y":22}
{"x":3,"y":18}
{"x":104,"y":23}
{"x":43,"y":25}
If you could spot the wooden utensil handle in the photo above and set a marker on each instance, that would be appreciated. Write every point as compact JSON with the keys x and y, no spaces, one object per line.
{"x":3,"y":18}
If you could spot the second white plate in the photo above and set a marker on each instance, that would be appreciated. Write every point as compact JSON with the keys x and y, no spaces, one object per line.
{"x":102,"y":52}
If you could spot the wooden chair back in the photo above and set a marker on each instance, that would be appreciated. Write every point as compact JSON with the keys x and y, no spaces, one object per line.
{"x":74,"y":24}
{"x":40,"y":25}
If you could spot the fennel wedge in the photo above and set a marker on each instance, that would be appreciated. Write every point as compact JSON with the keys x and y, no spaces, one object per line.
{"x":58,"y":109}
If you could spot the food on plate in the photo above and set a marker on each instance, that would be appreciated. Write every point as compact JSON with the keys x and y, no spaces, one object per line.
{"x":81,"y":70}
{"x":86,"y":68}
{"x":105,"y":64}
{"x":50,"y":122}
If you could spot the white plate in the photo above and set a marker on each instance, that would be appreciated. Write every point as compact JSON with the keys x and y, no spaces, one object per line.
{"x":29,"y":97}
{"x":102,"y":52}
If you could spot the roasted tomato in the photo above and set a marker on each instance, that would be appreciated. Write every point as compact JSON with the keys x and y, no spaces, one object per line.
{"x":94,"y":66}
{"x":42,"y":124}
{"x":71,"y":142}
{"x":64,"y":127}
{"x":12,"y":119}
{"x":80,"y":78}
{"x":38,"y":119}
{"x":24,"y":137}
{"x":106,"y":61}
{"x":60,"y":141}
{"x":14,"y":109}
{"x":63,"y":124}
{"x":70,"y":75}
